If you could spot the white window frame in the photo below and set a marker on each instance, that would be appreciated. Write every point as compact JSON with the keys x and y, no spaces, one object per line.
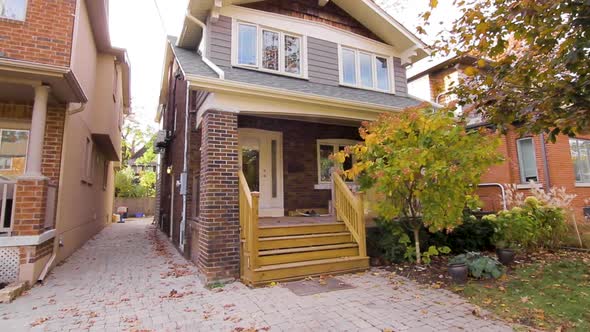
{"x":28,"y":131}
{"x":578,"y":140}
{"x":520,"y":159}
{"x":259,"y":44}
{"x":335,"y":143}
{"x":26,"y":4}
{"x":374,"y":56}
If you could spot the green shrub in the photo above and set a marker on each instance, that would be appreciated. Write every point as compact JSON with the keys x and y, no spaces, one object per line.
{"x":389,"y":241}
{"x":475,"y":234}
{"x":532,"y":226}
{"x":480,"y":266}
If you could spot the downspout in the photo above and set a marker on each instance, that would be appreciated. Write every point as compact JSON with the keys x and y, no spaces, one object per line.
{"x":57,"y":241}
{"x":184,"y":175}
{"x":545,"y":163}
{"x":202,"y":49}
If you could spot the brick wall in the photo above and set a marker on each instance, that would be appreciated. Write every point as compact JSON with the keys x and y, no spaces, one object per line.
{"x":219,"y":225}
{"x":52,"y":146}
{"x":560,"y":164}
{"x":44,"y":37}
{"x":300,"y":157}
{"x":31,"y":254}
{"x":29,"y":215}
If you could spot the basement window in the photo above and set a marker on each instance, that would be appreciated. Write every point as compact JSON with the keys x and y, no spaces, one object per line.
{"x":13,"y":9}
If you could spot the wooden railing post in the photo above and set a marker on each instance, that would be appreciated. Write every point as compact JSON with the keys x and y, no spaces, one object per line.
{"x":361,"y":224}
{"x":254,"y":230}
{"x":334,"y":197}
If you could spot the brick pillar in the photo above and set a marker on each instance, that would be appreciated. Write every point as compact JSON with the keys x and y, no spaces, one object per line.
{"x":29,"y":214}
{"x":219,"y":232}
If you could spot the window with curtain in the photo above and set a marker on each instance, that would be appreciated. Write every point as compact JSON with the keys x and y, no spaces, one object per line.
{"x":13,"y":151}
{"x":13,"y":9}
{"x":365,"y":70}
{"x":580,"y":151}
{"x":247,"y":40}
{"x":527,"y":160}
{"x":280,"y":52}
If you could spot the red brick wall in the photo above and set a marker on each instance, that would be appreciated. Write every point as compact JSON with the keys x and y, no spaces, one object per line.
{"x":29,"y":215}
{"x":52,"y":146}
{"x":300,"y":157}
{"x":31,"y":254}
{"x":309,"y":10}
{"x":561,"y":169}
{"x":219,"y":225}
{"x":44,"y":37}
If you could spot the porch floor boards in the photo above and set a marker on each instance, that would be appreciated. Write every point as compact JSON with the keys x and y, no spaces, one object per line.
{"x":296,"y":221}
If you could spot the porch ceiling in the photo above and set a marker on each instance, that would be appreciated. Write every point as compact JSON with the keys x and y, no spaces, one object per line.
{"x":310,"y":118}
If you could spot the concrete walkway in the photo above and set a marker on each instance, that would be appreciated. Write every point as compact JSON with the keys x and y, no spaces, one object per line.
{"x":130,"y":279}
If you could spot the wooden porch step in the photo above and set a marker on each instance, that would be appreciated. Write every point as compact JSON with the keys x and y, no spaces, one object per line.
{"x":300,"y":270}
{"x":267,"y":231}
{"x":294,"y":241}
{"x":291,"y":255}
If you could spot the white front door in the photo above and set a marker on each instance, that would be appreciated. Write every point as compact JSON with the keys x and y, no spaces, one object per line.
{"x":261,"y":158}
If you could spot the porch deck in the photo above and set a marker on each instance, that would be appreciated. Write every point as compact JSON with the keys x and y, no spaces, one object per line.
{"x":296,"y":221}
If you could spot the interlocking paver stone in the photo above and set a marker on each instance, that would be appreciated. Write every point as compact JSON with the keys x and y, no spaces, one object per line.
{"x":130,"y":278}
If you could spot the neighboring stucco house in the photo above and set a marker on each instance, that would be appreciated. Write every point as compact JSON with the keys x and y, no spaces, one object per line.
{"x":256,"y":95}
{"x":565,"y":163}
{"x":63,"y":90}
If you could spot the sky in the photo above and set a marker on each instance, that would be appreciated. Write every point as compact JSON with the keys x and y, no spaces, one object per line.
{"x":141,"y":27}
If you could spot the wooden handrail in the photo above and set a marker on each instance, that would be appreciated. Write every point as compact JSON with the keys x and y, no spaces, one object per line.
{"x":248,"y":202}
{"x":350,"y":209}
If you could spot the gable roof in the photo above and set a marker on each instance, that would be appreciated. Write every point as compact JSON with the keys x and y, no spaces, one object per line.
{"x":367,"y":12}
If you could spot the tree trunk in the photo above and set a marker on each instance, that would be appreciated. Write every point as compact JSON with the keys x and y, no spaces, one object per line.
{"x":417,"y":244}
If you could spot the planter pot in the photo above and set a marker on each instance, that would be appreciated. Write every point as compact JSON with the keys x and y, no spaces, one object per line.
{"x":505,"y":256}
{"x":459,"y":273}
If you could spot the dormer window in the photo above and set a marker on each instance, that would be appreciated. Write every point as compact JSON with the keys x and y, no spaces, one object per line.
{"x":360,"y":69}
{"x":268,"y":50}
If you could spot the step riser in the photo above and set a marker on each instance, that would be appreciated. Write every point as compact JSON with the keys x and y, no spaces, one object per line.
{"x":304,"y":242}
{"x":260,"y":278}
{"x":301,"y":230}
{"x":307,"y":256}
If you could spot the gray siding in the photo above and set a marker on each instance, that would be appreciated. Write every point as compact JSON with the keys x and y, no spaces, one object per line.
{"x":219,"y":47}
{"x":399,"y":73}
{"x":322,"y":58}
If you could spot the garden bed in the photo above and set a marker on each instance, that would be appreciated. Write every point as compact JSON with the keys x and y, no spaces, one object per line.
{"x":545,"y":290}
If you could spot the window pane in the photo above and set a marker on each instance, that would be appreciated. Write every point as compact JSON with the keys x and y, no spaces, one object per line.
{"x":326,"y":163}
{"x":382,"y":73}
{"x":247,"y":45}
{"x":13,"y":9}
{"x":580,"y":150}
{"x":13,"y":151}
{"x":366,"y":70}
{"x":348,"y":67}
{"x":270,"y":50}
{"x":274,"y":180}
{"x":527,"y":160}
{"x":293,"y":55}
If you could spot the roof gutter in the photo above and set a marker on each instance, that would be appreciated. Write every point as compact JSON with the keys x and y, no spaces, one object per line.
{"x":202,"y":50}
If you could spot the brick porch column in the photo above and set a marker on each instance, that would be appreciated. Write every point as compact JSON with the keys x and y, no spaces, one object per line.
{"x":219,"y":254}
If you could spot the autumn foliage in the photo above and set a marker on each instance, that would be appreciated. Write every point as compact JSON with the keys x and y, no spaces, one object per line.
{"x":423,"y":164}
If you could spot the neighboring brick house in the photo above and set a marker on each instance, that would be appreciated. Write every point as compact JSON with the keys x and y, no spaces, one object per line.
{"x":565,"y":163}
{"x":63,"y":90}
{"x":257,"y":95}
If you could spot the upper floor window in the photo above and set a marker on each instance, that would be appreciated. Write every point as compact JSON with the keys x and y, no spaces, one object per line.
{"x":527,"y":160}
{"x":269,"y":50}
{"x":365,"y":70}
{"x":580,"y":150}
{"x":13,"y":9}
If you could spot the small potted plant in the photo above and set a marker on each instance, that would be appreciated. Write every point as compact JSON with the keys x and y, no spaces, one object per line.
{"x":458,"y":269}
{"x":512,"y":229}
{"x":505,"y":253}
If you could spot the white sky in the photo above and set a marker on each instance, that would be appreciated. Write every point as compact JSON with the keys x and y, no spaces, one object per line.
{"x":136,"y":26}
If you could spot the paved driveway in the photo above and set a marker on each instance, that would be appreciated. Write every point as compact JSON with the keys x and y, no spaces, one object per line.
{"x":130,"y":278}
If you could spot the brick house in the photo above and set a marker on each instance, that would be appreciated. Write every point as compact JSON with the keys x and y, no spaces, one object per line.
{"x":63,"y":90}
{"x":255,"y":97}
{"x":565,"y":163}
